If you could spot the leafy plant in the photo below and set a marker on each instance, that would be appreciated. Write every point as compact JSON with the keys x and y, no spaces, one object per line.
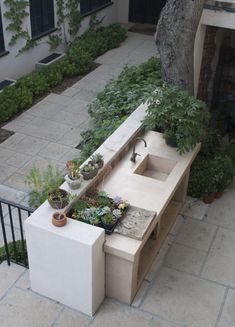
{"x":73,"y":169}
{"x":117,"y":101}
{"x":21,"y":256}
{"x":182,"y":116}
{"x":41,"y":183}
{"x":211,"y":142}
{"x":230,"y":151}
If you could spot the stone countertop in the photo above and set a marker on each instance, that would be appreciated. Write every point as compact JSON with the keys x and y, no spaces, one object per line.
{"x":142,"y":191}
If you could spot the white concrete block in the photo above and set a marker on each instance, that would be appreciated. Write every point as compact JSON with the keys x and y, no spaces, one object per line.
{"x":66,"y":264}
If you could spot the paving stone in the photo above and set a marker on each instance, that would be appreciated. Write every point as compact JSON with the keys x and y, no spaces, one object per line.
{"x":70,"y":92}
{"x":6,"y":171}
{"x":26,"y":309}
{"x":77,"y":106}
{"x":220,"y":263}
{"x":116,"y":315}
{"x":196,"y":234}
{"x":54,"y":151}
{"x":195,"y":208}
{"x":24,"y":282}
{"x":17,"y":181}
{"x":11,"y":194}
{"x":41,"y":163}
{"x":185,"y":259}
{"x":18,"y":159}
{"x":84,"y":95}
{"x":27,"y":144}
{"x":70,"y":318}
{"x":227,"y":318}
{"x":71,"y":154}
{"x":5,"y":154}
{"x":221,"y":211}
{"x":45,"y":129}
{"x":140,"y":294}
{"x":72,"y":138}
{"x":58,"y":99}
{"x":177,"y":225}
{"x":46,"y":110}
{"x":68,"y":118}
{"x":184,"y":299}
{"x":160,"y":323}
{"x":8,"y":276}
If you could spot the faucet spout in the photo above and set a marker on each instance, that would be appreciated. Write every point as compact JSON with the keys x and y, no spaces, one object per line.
{"x":135,"y":154}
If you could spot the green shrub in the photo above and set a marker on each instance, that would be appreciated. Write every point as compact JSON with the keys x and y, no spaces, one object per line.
{"x":21,"y":254}
{"x":182,"y":116}
{"x":78,"y":61}
{"x":117,"y":101}
{"x":230,"y":151}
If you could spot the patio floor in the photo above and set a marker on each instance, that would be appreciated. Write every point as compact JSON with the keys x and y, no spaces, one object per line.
{"x":191,"y":282}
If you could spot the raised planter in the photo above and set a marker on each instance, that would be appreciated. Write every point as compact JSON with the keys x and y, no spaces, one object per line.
{"x":51,"y":59}
{"x":6,"y":82}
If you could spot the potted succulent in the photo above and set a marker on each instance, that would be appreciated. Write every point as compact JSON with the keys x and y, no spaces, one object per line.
{"x":89,"y":170}
{"x":98,"y":159}
{"x":183,"y":117}
{"x":108,"y":221}
{"x":73,"y":177}
{"x":59,"y":219}
{"x":58,"y":198}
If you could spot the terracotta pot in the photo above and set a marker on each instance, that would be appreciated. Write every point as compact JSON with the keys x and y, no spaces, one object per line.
{"x":57,"y":203}
{"x":218,"y":195}
{"x":208,"y":199}
{"x":59,"y":219}
{"x":73,"y":183}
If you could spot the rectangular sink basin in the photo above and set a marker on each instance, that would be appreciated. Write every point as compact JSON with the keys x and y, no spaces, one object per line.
{"x":155,"y":167}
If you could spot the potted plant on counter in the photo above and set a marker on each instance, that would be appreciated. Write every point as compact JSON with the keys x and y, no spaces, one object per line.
{"x":73,"y":177}
{"x":59,"y":219}
{"x":108,"y":221}
{"x":58,"y":198}
{"x":183,"y":117}
{"x":97,"y":159}
{"x":89,"y":170}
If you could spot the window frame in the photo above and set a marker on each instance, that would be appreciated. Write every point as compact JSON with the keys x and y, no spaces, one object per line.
{"x":3,"y":49}
{"x":42,"y":33}
{"x":95,"y":8}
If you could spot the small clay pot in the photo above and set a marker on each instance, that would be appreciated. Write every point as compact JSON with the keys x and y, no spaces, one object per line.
{"x":218,"y":195}
{"x":56,"y":202}
{"x":208,"y":199}
{"x":74,"y":184}
{"x":59,"y":219}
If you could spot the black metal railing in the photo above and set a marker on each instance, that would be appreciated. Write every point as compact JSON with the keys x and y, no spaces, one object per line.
{"x":11,"y":217}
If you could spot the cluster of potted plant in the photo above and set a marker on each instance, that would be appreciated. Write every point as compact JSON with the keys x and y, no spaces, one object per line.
{"x":58,"y":198}
{"x":182,"y":118}
{"x":98,"y":209}
{"x":210,"y":176}
{"x":90,"y":170}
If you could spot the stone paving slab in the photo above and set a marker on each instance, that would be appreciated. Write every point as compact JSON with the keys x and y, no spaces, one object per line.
{"x":8,"y":276}
{"x":228,"y":314}
{"x":70,"y":318}
{"x":197,"y":235}
{"x":220,"y":264}
{"x":26,"y":309}
{"x":184,"y":299}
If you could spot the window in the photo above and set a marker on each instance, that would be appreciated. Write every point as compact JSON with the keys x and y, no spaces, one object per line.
{"x":89,"y":5}
{"x":2,"y":46}
{"x":42,"y":16}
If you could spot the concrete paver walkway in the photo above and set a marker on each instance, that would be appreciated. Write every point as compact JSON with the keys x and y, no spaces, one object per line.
{"x":191,"y":282}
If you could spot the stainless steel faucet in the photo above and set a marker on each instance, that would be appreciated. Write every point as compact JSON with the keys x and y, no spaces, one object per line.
{"x":134,"y":154}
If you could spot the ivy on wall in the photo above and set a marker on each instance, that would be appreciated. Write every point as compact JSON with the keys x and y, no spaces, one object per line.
{"x":68,"y":12}
{"x":16,"y":14}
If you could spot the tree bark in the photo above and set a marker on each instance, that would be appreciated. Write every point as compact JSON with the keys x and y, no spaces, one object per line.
{"x":175,"y":36}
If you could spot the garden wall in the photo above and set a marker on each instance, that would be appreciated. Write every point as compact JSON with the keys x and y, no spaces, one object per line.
{"x":14,"y":66}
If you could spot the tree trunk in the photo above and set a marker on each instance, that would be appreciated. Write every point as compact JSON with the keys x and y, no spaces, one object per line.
{"x":175,"y":36}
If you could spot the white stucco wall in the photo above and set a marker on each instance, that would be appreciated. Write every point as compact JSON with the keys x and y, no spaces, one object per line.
{"x":223,"y":19}
{"x":13,"y":66}
{"x":123,"y":11}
